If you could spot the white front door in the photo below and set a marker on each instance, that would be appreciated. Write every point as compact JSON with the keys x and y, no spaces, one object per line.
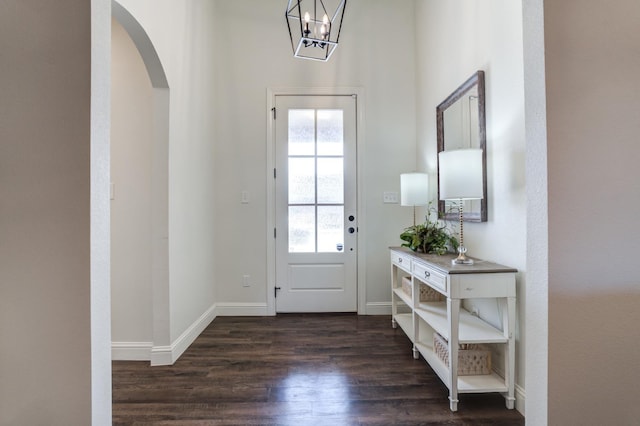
{"x":315,"y":204}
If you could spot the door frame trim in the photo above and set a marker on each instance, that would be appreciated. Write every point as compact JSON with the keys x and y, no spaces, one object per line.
{"x":358,"y":92}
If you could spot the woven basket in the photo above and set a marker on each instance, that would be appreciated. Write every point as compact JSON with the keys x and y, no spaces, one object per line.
{"x":473,"y":360}
{"x":406,"y":285}
{"x":427,"y":294}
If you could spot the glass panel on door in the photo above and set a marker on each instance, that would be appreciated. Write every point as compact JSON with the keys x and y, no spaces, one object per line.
{"x":316,"y":181}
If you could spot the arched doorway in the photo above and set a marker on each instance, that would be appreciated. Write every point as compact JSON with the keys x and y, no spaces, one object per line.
{"x":144,"y":341}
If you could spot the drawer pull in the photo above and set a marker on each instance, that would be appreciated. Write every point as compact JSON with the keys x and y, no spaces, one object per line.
{"x":400,"y":260}
{"x":469,"y":288}
{"x":427,"y":274}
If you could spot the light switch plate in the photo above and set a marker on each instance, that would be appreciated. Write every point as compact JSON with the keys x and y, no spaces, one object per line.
{"x":390,"y":197}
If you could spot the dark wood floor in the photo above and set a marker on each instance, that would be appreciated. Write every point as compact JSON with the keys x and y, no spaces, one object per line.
{"x":298,"y":370}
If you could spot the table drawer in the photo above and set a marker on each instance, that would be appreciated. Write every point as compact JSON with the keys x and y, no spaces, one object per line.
{"x":430,"y":277}
{"x":401,"y":260}
{"x":468,"y":286}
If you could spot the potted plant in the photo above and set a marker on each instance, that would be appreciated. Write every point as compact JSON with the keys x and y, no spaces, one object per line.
{"x":430,"y":237}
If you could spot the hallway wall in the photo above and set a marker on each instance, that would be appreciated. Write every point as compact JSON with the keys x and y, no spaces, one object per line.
{"x":376,"y":53}
{"x":454,"y":40}
{"x":54,"y":225}
{"x":182,"y":34}
{"x":593,"y":105}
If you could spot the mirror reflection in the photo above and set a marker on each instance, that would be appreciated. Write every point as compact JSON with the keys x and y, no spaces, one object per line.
{"x":461,"y":124}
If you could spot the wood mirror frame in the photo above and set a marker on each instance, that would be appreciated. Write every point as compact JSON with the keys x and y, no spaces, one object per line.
{"x":478,"y":210}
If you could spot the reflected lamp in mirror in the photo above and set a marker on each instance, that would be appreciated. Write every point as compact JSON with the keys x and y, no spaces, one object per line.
{"x":414,"y":191}
{"x":460,"y":178}
{"x":460,"y":124}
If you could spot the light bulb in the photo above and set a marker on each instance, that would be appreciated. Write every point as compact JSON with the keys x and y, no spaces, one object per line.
{"x":307,"y":18}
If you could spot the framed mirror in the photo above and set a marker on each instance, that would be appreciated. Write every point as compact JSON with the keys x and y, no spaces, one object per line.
{"x":460,"y":121}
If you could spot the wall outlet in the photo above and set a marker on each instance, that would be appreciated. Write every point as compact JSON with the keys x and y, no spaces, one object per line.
{"x":245,"y":281}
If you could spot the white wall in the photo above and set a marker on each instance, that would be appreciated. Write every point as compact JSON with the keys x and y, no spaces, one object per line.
{"x":131,"y":157}
{"x":593,"y":106}
{"x":454,"y":40}
{"x":376,"y":53}
{"x":182,"y":34}
{"x":54,"y":249}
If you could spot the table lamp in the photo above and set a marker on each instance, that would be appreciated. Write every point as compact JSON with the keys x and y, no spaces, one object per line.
{"x":460,"y":178}
{"x":414,"y":191}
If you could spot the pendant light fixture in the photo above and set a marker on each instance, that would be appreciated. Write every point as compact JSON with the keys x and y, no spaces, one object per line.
{"x":314,"y":27}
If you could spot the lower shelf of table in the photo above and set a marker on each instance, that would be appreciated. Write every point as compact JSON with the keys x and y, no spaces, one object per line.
{"x":466,"y":384}
{"x":405,"y":321}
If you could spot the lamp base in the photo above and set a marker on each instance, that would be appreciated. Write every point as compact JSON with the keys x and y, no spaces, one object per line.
{"x":462,"y":261}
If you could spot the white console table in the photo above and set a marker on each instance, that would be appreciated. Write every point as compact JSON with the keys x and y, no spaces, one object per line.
{"x":448,"y":318}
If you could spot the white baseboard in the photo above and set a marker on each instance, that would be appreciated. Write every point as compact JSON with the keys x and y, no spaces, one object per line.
{"x":521,"y":398}
{"x":378,"y":308}
{"x":162,"y":355}
{"x":241,"y":310}
{"x":260,"y":309}
{"x":131,"y":351}
{"x":167,"y":355}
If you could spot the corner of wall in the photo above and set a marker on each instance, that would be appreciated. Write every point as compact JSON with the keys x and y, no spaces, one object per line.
{"x":536,"y":368}
{"x":168,"y":355}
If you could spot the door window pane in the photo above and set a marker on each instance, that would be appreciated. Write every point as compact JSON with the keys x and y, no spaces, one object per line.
{"x":302,"y":175}
{"x":316,"y":180}
{"x":330,"y":181}
{"x":330,"y":228}
{"x":302,"y":132}
{"x":330,"y":132}
{"x":302,"y":230}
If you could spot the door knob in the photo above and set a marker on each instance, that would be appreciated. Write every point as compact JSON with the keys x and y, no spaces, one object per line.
{"x":352,"y":230}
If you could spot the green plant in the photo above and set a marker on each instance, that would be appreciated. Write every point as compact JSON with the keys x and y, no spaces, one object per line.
{"x":430,"y":236}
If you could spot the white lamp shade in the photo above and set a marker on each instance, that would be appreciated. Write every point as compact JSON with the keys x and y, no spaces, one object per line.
{"x":414,"y":189}
{"x":460,"y":174}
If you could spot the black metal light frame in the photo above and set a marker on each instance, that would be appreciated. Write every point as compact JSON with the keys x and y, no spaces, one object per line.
{"x":312,"y":42}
